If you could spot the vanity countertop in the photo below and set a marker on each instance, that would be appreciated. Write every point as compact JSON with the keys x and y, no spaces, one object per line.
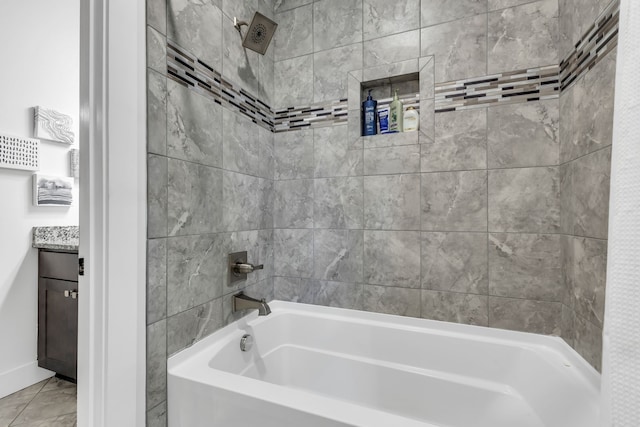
{"x":56,"y":238}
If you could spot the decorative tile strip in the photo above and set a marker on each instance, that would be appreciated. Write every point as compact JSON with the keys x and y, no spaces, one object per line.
{"x":189,"y":71}
{"x":600,"y":39}
{"x":330,"y":113}
{"x":498,"y":89}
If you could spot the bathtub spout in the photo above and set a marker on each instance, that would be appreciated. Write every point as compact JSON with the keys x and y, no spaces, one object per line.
{"x":245,"y":302}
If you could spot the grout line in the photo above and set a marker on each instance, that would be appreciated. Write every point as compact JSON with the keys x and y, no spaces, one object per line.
{"x":29,"y":403}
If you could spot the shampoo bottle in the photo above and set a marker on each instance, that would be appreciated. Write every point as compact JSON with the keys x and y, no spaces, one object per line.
{"x":369,"y":110}
{"x":395,"y":114}
{"x":411,"y":120}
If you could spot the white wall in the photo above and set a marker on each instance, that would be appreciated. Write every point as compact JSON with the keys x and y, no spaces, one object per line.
{"x":40,"y":66}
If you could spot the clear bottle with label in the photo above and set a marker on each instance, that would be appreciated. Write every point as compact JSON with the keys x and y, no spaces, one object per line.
{"x":396,"y":114}
{"x":411,"y":121}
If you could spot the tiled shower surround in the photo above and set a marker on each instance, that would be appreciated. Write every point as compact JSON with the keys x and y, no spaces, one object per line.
{"x":494,"y":215}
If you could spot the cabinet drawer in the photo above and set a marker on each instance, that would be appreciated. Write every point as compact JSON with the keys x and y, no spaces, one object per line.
{"x":58,"y":265}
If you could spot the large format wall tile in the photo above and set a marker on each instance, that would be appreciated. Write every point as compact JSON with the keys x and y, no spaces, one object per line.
{"x":455,"y":262}
{"x":293,"y":253}
{"x":194,"y":199}
{"x":392,"y":160}
{"x":294,"y":289}
{"x":539,"y":317}
{"x":336,"y":294}
{"x":156,"y":113}
{"x":383,"y":17}
{"x":460,"y":142}
{"x":524,"y":200}
{"x":392,"y":202}
{"x":454,"y":201}
{"x":156,"y":363}
{"x":588,"y":341}
{"x":503,"y":4}
{"x":398,"y":301}
{"x":392,"y":49}
{"x":196,"y":25}
{"x":334,"y":154}
{"x":157,"y":15}
{"x":282,"y":5}
{"x":567,"y":148}
{"x":195,"y":270}
{"x":157,"y":417}
{"x":330,"y":68}
{"x":593,"y":99}
{"x":526,"y":266}
{"x":156,"y":280}
{"x":523,"y":37}
{"x":248,"y":202}
{"x":157,"y":171}
{"x":439,"y":11}
{"x":523,"y":134}
{"x":587,"y":277}
{"x":185,"y":328}
{"x":193,"y":126}
{"x":338,"y":255}
{"x":590,"y":184}
{"x":242,"y":149}
{"x":293,"y":204}
{"x":293,"y":153}
{"x":460,"y":48}
{"x":156,"y":51}
{"x":295,"y":79}
{"x":338,"y":203}
{"x":294,"y":36}
{"x":392,"y":258}
{"x":336,"y":23}
{"x":455,"y":307}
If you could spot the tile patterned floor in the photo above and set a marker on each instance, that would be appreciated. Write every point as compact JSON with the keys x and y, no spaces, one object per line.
{"x":49,"y":403}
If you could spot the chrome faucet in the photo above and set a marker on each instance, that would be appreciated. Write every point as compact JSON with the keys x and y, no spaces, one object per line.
{"x":245,"y":302}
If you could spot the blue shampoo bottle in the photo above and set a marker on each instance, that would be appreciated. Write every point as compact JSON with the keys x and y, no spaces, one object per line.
{"x":370,"y":126}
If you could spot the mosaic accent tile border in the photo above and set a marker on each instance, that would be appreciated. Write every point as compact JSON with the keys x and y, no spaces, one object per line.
{"x":327,"y":114}
{"x":189,"y":71}
{"x":532,"y":84}
{"x":600,"y":39}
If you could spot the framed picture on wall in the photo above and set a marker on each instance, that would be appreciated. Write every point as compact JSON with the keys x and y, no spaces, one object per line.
{"x":51,"y":190}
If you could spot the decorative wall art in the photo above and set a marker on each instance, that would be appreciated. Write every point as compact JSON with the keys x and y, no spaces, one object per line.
{"x":19,"y":153}
{"x":53,"y":126}
{"x":74,"y":163}
{"x":52,"y":190}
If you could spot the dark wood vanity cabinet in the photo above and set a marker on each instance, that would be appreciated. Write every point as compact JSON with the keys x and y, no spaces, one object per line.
{"x":58,"y":312}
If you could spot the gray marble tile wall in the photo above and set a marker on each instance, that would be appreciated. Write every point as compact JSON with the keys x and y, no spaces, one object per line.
{"x":453,"y":222}
{"x":586,"y":129}
{"x":210,"y":182}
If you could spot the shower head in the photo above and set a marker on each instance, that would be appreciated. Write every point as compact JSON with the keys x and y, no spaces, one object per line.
{"x":259,"y":33}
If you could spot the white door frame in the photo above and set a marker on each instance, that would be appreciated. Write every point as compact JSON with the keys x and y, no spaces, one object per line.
{"x":112,"y":332}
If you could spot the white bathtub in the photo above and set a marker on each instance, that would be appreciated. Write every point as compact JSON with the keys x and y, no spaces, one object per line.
{"x":314,"y":366}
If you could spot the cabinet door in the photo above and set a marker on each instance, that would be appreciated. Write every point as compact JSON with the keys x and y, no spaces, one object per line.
{"x":57,"y":326}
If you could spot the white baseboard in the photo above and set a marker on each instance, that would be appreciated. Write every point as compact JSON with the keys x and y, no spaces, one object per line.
{"x":21,"y":377}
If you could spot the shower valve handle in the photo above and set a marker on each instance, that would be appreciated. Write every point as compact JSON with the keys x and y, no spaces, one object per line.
{"x":245,"y":268}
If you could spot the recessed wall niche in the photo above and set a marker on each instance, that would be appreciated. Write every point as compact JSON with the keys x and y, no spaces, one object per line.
{"x":414,"y":80}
